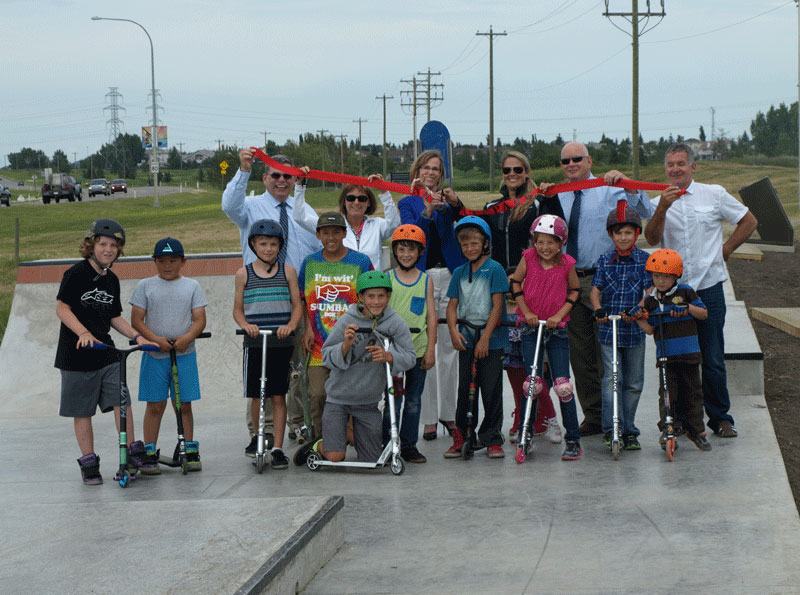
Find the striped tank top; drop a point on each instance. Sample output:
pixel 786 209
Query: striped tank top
pixel 267 301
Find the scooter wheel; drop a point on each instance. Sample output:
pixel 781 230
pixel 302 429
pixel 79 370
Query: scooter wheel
pixel 615 449
pixel 260 462
pixel 397 466
pixel 312 462
pixel 671 448
pixel 124 478
pixel 520 456
pixel 467 450
pixel 184 465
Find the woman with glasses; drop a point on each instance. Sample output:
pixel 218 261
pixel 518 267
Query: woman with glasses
pixel 364 234
pixel 436 217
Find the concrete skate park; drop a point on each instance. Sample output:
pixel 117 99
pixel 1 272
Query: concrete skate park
pixel 722 521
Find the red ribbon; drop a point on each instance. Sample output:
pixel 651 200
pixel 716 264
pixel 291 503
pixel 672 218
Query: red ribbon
pixel 510 203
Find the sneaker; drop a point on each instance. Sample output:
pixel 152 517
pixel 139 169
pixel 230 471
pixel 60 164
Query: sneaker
pixel 588 428
pixel 454 452
pixel 553 432
pixel 410 454
pixel 192 457
pixel 90 469
pixel 137 459
pixel 513 433
pixel 301 456
pixel 252 448
pixel 279 460
pixel 151 456
pixel 678 429
pixel 631 442
pixel 495 451
pixel 701 442
pixel 726 430
pixel 572 452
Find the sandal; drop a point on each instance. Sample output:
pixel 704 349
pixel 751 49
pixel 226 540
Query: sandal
pixel 432 435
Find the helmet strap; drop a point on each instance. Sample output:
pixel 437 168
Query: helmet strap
pixel 97 262
pixel 630 250
pixel 270 265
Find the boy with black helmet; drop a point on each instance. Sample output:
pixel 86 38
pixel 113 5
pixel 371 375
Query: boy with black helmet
pixel 88 305
pixel 412 300
pixel 477 294
pixel 680 342
pixel 357 371
pixel 267 295
pixel 619 283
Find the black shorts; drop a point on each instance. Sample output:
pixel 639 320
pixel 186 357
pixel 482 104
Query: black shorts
pixel 277 371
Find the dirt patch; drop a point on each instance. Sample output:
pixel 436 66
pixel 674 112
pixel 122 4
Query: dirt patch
pixel 775 283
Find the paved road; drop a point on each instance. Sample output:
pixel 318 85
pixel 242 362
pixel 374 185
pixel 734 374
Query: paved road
pixel 140 191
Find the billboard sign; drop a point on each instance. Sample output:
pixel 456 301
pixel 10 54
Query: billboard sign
pixel 147 137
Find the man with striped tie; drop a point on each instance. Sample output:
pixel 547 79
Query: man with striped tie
pixel 276 203
pixel 587 239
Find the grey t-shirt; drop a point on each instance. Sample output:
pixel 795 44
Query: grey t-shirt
pixel 168 306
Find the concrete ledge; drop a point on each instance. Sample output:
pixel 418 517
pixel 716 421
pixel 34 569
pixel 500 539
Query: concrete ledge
pixel 297 561
pixel 744 360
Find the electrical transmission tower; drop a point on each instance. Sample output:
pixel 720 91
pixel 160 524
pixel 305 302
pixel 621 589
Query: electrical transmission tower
pixel 113 99
pixel 159 109
pixel 636 17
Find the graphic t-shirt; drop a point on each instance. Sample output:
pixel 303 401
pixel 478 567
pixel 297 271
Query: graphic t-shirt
pixel 94 300
pixel 328 289
pixel 474 293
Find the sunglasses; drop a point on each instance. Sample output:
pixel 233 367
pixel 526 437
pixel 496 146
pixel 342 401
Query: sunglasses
pixel 354 197
pixel 578 159
pixel 517 169
pixel 276 175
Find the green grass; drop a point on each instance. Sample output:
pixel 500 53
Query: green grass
pixel 196 218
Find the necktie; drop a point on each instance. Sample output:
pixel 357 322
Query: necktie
pixel 284 221
pixel 572 226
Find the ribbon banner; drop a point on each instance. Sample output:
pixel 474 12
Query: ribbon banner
pixel 500 207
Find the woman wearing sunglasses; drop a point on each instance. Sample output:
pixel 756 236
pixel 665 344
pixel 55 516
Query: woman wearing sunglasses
pixel 364 234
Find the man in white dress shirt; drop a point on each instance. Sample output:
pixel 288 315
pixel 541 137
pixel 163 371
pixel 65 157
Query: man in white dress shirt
pixel 691 224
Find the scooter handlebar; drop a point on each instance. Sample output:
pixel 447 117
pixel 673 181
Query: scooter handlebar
pixel 476 327
pixel 204 335
pixel 99 345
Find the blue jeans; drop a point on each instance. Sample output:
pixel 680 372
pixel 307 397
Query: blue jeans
pixel 712 345
pixel 556 343
pixel 409 421
pixel 630 380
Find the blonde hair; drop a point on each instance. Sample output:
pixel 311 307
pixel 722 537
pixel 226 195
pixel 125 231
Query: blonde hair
pixel 422 159
pixel 518 212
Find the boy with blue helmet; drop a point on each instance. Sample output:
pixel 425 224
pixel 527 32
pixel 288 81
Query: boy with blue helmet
pixel 477 295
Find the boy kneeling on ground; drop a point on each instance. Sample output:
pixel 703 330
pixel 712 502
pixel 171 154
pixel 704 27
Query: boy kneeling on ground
pixel 358 377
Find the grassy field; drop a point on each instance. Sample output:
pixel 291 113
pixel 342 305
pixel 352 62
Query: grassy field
pixel 54 231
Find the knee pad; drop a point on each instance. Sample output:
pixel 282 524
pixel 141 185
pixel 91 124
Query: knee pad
pixel 538 385
pixel 563 388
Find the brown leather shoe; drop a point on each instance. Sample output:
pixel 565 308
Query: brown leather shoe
pixel 588 428
pixel 726 430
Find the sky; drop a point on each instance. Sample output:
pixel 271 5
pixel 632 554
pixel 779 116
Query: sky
pixel 229 71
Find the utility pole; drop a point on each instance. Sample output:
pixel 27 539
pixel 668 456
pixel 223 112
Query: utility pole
pixel 491 35
pixel 75 160
pixel 713 125
pixel 360 121
pixel 342 137
pixel 181 153
pixel 322 132
pixel 634 18
pixel 428 97
pixel 384 97
pixel 219 145
pixel 413 104
pixel 265 140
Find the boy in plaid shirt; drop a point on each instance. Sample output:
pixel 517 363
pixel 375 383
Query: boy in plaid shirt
pixel 618 285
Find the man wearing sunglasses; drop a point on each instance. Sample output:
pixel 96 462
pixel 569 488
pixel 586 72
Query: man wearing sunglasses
pixel 277 203
pixel 585 212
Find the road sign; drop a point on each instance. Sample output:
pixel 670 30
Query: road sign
pixel 154 167
pixel 223 164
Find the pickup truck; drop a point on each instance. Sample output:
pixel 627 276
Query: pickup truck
pixel 60 186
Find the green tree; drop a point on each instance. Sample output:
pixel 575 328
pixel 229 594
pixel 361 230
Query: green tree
pixel 61 162
pixel 702 134
pixel 28 158
pixel 174 159
pixel 775 133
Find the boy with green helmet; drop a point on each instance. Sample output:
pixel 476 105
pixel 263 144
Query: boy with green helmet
pixel 357 379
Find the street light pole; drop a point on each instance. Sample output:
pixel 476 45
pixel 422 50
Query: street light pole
pixel 154 134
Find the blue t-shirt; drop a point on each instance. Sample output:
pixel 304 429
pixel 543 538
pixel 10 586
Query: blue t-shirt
pixel 475 298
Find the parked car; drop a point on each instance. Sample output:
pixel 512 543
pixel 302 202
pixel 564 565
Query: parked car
pixel 20 183
pixel 99 186
pixel 5 196
pixel 119 186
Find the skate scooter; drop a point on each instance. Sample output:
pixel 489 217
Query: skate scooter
pixel 671 444
pixel 615 431
pixel 179 457
pixel 263 445
pixel 392 448
pixel 124 476
pixel 526 427
pixel 299 374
